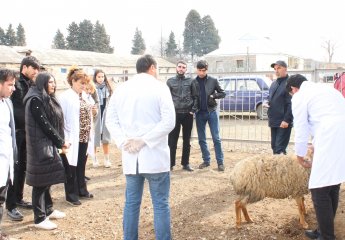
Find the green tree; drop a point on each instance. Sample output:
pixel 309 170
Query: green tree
pixel 209 36
pixel 2 37
pixel 85 37
pixel 73 36
pixel 21 39
pixel 191 34
pixel 139 46
pixel 10 37
pixel 171 46
pixel 101 39
pixel 59 41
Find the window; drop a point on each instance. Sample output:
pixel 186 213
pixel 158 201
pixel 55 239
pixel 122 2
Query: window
pixel 252 85
pixel 239 63
pixel 63 70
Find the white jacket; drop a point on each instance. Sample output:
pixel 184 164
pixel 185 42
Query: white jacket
pixel 142 107
pixel 8 149
pixel 70 104
pixel 319 111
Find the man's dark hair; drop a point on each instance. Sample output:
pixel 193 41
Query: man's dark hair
pixel 144 63
pixel 30 61
pixel 6 74
pixel 295 81
pixel 181 61
pixel 202 64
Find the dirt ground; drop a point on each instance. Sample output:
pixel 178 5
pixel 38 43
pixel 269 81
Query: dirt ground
pixel 201 208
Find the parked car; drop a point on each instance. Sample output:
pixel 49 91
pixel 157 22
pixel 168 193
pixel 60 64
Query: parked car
pixel 245 94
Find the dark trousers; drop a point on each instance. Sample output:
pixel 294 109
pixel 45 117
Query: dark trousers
pixel 75 184
pixel 325 200
pixel 280 138
pixel 186 121
pixel 42 203
pixel 3 191
pixel 16 189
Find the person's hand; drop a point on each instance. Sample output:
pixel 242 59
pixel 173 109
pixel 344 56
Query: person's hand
pixel 94 110
pixel 305 163
pixel 65 147
pixel 134 145
pixel 284 124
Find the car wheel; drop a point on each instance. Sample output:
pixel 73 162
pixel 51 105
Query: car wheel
pixel 261 112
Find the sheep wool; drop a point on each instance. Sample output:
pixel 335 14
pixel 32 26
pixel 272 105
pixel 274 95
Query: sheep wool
pixel 273 176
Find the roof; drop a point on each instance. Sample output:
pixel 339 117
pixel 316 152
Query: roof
pixel 71 57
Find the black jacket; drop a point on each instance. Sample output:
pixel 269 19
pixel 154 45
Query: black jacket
pixel 184 94
pixel 44 165
pixel 280 103
pixel 22 87
pixel 213 88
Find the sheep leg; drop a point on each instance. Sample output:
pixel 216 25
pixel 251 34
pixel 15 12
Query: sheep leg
pixel 238 213
pixel 301 211
pixel 245 213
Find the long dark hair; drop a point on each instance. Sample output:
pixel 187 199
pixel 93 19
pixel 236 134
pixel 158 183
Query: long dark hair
pixel 50 104
pixel 107 84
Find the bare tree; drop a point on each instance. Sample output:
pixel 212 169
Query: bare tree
pixel 330 47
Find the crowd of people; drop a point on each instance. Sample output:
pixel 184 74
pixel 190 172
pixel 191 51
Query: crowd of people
pixel 47 139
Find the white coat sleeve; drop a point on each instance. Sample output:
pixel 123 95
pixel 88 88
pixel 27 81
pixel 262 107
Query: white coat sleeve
pixel 301 125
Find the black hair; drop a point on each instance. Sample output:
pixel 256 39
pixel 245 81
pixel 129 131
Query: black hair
pixel 6 74
pixel 51 106
pixel 145 62
pixel 295 81
pixel 202 64
pixel 30 61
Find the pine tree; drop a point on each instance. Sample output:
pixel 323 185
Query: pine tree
pixel 10 37
pixel 191 34
pixel 21 39
pixel 171 46
pixel 209 36
pixel 85 37
pixel 59 41
pixel 101 39
pixel 73 36
pixel 139 46
pixel 2 37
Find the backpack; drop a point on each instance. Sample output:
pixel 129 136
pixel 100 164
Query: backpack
pixel 339 82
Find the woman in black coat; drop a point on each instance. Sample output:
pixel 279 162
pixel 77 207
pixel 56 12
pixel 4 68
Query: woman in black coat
pixel 44 136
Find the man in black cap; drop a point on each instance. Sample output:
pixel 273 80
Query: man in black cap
pixel 279 112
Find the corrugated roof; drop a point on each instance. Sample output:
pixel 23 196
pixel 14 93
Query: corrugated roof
pixel 9 55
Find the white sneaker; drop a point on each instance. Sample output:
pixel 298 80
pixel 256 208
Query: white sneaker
pixel 107 163
pixel 46 225
pixel 95 163
pixel 56 214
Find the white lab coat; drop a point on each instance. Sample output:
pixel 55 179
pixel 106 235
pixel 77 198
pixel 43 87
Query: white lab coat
pixel 319 111
pixel 70 104
pixel 142 107
pixel 7 141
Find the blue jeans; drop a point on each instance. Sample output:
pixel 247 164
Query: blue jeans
pixel 159 184
pixel 213 121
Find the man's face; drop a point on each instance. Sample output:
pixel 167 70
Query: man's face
pixel 201 72
pixel 7 88
pixel 181 69
pixel 280 71
pixel 30 72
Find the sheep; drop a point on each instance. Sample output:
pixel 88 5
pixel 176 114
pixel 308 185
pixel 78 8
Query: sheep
pixel 274 176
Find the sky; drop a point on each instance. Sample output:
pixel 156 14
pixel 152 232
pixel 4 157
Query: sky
pixel 296 27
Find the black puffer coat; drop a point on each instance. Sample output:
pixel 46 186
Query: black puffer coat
pixel 44 165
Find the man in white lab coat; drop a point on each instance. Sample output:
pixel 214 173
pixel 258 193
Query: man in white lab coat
pixel 8 148
pixel 140 116
pixel 319 111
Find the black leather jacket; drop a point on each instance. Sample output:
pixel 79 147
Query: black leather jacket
pixel 184 94
pixel 213 88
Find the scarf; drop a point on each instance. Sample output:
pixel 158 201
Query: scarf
pixel 102 92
